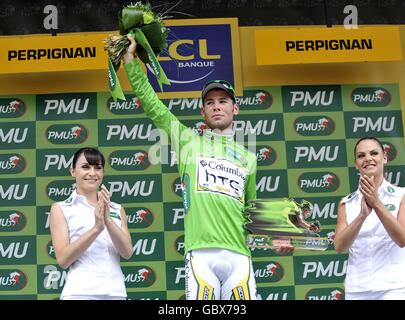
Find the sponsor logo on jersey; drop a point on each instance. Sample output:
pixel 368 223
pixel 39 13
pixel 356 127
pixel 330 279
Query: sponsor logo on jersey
pixel 220 176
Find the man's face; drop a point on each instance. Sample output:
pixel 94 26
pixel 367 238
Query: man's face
pixel 218 110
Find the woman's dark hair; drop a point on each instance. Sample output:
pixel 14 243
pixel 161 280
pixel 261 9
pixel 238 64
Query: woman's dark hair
pixel 368 138
pixel 92 155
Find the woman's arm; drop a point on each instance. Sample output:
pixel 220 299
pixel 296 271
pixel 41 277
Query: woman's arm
pixel 395 227
pixel 345 234
pixel 120 236
pixel 66 252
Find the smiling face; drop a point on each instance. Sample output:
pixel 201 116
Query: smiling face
pixel 218 110
pixel 88 177
pixel 370 158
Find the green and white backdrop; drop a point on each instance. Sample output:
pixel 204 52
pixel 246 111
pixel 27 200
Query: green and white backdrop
pixel 304 143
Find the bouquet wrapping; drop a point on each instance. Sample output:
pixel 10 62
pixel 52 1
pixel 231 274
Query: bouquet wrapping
pixel 150 33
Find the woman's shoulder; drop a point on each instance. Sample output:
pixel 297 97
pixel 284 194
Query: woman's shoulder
pixel 350 197
pixel 68 202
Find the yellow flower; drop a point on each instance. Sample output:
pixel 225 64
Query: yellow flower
pixel 148 17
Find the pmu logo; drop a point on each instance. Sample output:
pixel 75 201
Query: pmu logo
pixel 12 163
pixel 179 245
pixel 54 162
pixel 314 126
pixel 132 105
pixel 390 151
pixel 139 276
pixel 270 183
pixel 184 106
pixel 259 127
pixel 12 108
pixel 320 269
pixel 129 160
pixel 394 175
pixel 268 271
pixel 126 132
pixel 178 186
pixel 66 134
pixel 255 100
pixel 53 279
pixel 174 216
pixel 12 280
pixel 130 189
pixel 316 153
pixel 60 190
pixel 17 251
pixel 312 98
pixel 148 246
pixel 139 217
pixel 12 221
pixel 384 123
pixel 266 155
pixel 50 250
pixel 13 191
pixel 324 209
pixel 325 294
pixel 17 134
pixel 317 182
pixel 66 106
pixel 276 293
pixel 371 97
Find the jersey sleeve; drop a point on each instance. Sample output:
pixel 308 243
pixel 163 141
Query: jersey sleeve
pixel 154 107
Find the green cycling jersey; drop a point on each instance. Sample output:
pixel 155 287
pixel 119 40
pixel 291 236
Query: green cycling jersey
pixel 218 175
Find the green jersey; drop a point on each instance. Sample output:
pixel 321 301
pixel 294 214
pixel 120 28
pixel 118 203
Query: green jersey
pixel 218 175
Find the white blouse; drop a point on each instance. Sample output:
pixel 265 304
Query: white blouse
pixel 375 261
pixel 97 271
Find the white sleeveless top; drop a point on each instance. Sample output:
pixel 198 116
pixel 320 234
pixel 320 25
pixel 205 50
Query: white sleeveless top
pixel 375 261
pixel 97 271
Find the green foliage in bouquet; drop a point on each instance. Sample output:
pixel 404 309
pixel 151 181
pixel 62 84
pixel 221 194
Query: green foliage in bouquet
pixel 137 16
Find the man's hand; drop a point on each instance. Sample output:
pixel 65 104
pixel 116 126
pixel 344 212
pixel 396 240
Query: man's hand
pixel 130 54
pixel 282 246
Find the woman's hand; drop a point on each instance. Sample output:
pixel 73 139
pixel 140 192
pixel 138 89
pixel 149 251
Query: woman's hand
pixel 364 208
pixel 99 213
pixel 104 195
pixel 370 191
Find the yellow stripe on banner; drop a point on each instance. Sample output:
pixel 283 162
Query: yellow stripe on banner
pixel 43 53
pixel 326 45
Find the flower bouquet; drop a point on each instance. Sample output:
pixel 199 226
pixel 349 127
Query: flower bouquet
pixel 275 223
pixel 149 31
